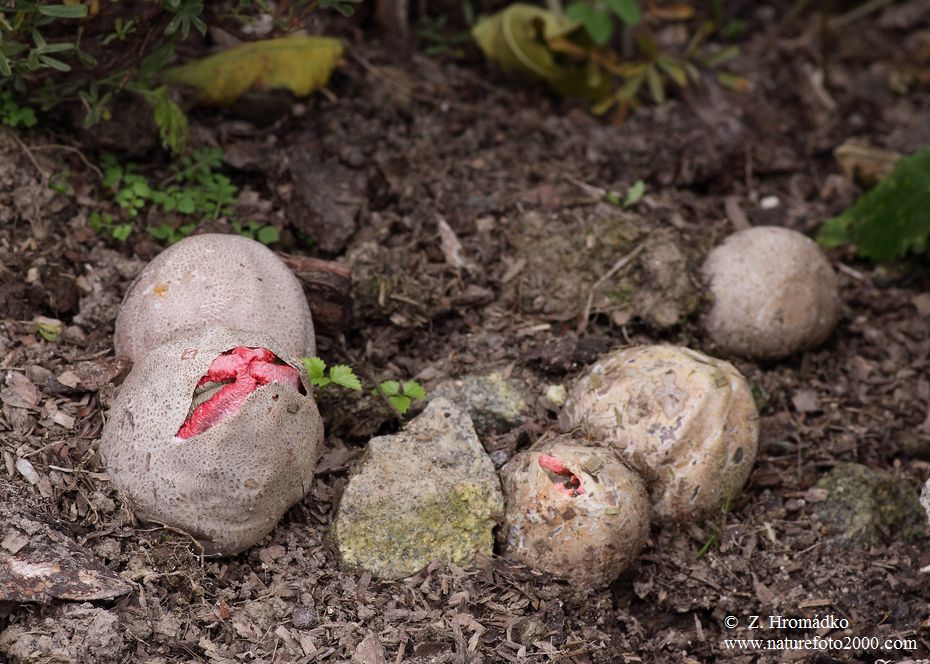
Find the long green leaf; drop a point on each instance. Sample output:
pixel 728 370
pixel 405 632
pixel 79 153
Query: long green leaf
pixel 64 11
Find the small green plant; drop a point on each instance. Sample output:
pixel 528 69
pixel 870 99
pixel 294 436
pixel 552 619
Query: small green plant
pixel 891 220
pixel 266 234
pixel 401 394
pixel 633 195
pixel 171 233
pixel 14 115
pixel 598 16
pixel 194 190
pixel 121 31
pixel 104 223
pixel 339 374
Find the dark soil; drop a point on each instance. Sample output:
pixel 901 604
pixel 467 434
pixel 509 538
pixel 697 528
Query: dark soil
pixel 409 151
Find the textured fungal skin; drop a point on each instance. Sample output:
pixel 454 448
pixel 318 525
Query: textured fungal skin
pixel 214 280
pixel 774 293
pixel 574 511
pixel 229 485
pixel 686 421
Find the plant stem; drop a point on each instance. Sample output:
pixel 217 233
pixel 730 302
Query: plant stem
pixel 856 13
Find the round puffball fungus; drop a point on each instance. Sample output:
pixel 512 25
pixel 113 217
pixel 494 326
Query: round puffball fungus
pixel 574 511
pixel 774 293
pixel 214 434
pixel 686 421
pixel 214 280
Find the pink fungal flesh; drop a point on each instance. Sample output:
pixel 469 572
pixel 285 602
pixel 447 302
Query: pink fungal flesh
pixel 242 370
pixel 570 487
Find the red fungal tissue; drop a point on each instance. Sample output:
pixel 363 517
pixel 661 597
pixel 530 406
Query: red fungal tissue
pixel 242 370
pixel 570 487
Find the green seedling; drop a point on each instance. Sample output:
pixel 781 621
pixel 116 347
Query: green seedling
pixel 266 234
pixel 104 224
pixel 171 233
pixel 339 374
pixel 401 394
pixel 633 195
pixel 14 115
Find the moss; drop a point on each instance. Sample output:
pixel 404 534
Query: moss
pixel 863 503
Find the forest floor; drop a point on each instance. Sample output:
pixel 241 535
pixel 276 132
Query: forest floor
pixel 404 145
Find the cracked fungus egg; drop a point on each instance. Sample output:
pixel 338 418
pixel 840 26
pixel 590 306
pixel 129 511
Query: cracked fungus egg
pixel 214 280
pixel 686 421
pixel 215 434
pixel 774 293
pixel 574 511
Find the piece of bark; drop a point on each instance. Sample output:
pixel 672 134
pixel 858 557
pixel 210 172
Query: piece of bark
pixel 328 287
pixel 327 197
pixel 40 564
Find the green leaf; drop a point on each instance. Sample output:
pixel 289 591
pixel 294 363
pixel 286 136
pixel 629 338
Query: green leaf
pixel 297 63
pixel 121 232
pixel 186 204
pixel 626 10
pixel 400 402
pixel 316 369
pixel 834 232
pixel 343 375
pixel 656 86
pixel 390 387
pixel 634 194
pixel 64 11
pixel 890 220
pixel 673 69
pixel 54 63
pixel 598 24
pixel 414 390
pixel 172 124
pixel 268 235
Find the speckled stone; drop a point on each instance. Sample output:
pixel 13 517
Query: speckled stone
pixel 495 403
pixel 863 502
pixel 429 492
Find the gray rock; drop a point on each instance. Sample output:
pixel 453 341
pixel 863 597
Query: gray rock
pixel 495 403
pixel 867 506
pixel 429 492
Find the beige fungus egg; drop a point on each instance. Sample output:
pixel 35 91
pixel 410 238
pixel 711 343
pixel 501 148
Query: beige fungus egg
pixel 686 421
pixel 574 511
pixel 214 280
pixel 216 434
pixel 774 293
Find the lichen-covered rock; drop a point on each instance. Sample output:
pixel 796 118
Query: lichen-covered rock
pixel 574 511
pixel 217 461
pixel 774 293
pixel 429 492
pixel 494 403
pixel 686 421
pixel 214 280
pixel 863 504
